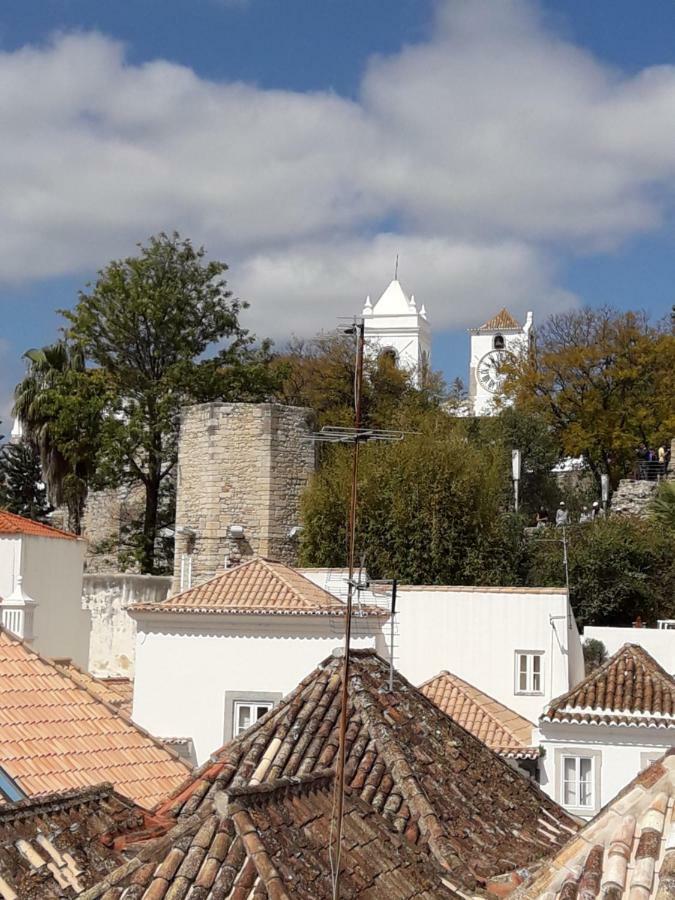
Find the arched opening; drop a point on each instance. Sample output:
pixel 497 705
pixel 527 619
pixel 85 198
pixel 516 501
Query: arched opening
pixel 388 354
pixel 498 342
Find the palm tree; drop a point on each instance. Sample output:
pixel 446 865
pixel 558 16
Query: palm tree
pixel 662 507
pixel 35 402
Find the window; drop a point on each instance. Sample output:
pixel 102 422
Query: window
pixel 577 786
pixel 244 708
pixel 498 342
pixel 247 714
pixel 529 672
pixel 578 779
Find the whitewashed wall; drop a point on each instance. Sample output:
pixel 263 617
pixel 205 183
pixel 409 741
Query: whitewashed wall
pixel 52 576
pixel 658 642
pixel 623 751
pixel 476 632
pixel 112 642
pixel 185 664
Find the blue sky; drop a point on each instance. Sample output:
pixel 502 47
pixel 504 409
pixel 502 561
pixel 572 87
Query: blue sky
pixel 513 152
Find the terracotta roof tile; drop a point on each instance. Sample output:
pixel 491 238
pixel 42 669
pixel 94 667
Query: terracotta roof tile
pixel 56 734
pixel 503 320
pixel 629 688
pixel 272 842
pixel 502 729
pixel 118 692
pixel 434 782
pixel 626 851
pixel 55 847
pixel 13 524
pixel 259 586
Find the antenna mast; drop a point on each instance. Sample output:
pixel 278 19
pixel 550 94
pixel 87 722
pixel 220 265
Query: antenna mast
pixel 342 746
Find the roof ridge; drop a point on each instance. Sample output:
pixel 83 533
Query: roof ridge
pixel 59 799
pixel 241 565
pixel 286 784
pixel 334 601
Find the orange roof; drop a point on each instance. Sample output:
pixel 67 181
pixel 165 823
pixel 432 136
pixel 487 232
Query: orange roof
pixel 56 735
pixel 13 524
pixel 502 320
pixel 118 692
pixel 259 587
pixel 502 729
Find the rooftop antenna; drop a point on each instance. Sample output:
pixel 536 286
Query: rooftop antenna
pixel 354 436
pixel 396 269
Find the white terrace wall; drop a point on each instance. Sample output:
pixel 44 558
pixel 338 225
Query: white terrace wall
pixel 618 753
pixel 476 632
pixel 185 665
pixel 112 642
pixel 51 569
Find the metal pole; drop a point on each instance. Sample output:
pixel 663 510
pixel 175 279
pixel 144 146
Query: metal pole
pixel 515 492
pixel 565 562
pixel 391 636
pixel 342 748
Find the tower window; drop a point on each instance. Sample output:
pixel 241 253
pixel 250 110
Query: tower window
pixel 388 354
pixel 498 342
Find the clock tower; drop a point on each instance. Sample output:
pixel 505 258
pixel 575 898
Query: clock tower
pixel 490 343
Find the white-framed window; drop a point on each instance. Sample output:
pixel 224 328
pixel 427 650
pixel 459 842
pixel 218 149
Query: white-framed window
pixel 247 713
pixel 578 782
pixel 529 672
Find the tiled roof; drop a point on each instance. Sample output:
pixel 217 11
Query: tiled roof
pixel 626 851
pixel 503 320
pixel 118 692
pixel 259 586
pixel 502 729
pixel 630 688
pixel 436 783
pixel 53 847
pixel 272 842
pixel 55 734
pixel 13 524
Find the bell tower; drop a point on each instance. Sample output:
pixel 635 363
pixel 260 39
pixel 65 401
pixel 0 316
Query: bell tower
pixel 395 324
pixel 497 337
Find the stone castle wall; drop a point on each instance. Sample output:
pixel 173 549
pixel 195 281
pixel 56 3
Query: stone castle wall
pixel 239 464
pixel 106 515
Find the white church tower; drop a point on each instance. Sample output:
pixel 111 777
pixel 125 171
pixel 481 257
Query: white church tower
pixel 490 343
pixel 394 324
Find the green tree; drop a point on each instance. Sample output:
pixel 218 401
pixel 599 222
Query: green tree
pixel 433 508
pixel 59 405
pixel 619 568
pixel 603 381
pixel 163 329
pixel 21 488
pixel 662 507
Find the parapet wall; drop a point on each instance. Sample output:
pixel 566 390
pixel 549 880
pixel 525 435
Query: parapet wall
pixel 112 640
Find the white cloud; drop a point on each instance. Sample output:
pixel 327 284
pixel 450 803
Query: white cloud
pixel 488 149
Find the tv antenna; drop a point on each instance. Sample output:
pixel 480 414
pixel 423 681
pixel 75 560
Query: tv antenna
pixel 355 436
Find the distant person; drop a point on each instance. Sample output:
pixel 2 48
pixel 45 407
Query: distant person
pixel 562 517
pixel 542 517
pixel 585 515
pixel 596 512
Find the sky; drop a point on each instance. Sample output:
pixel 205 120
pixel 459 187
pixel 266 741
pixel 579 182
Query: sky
pixel 510 152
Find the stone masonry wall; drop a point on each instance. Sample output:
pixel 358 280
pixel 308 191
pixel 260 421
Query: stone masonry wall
pixel 112 640
pixel 240 464
pixel 106 514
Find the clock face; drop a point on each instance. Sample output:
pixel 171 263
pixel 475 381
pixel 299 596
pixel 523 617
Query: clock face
pixel 488 370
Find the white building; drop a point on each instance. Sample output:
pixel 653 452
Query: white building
pixel 212 660
pixel 41 587
pixel 394 324
pixel 658 642
pixel 519 645
pixel 490 343
pixel 604 731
